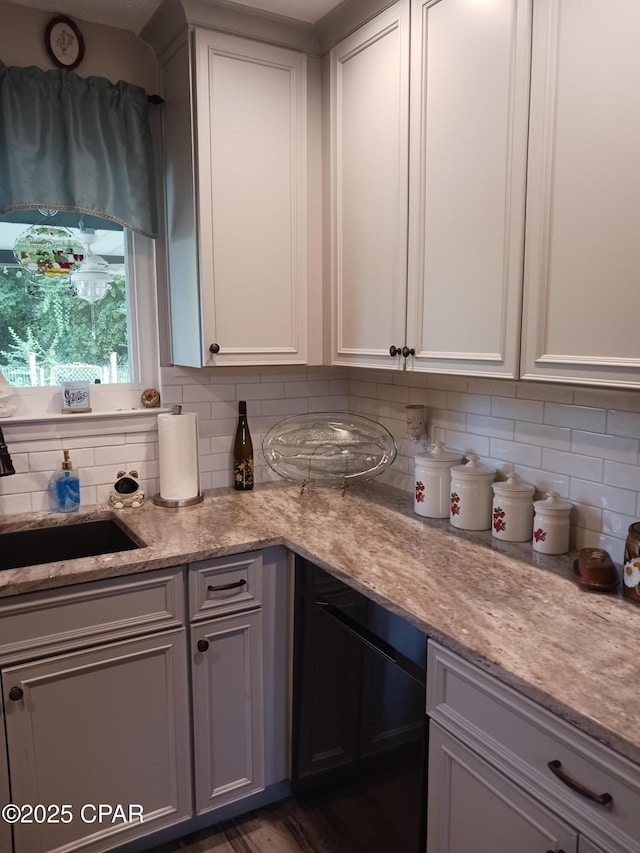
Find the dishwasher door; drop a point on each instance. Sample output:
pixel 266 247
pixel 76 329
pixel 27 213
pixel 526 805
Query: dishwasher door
pixel 359 723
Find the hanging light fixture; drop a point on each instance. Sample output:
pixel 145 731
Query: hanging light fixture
pixel 92 279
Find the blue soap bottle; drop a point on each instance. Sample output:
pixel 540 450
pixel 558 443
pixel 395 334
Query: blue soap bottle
pixel 67 487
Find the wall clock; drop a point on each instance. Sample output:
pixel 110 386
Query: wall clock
pixel 64 42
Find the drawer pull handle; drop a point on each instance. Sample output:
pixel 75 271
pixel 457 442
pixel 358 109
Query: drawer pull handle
pixel 203 645
pixel 223 586
pixel 601 799
pixel 16 693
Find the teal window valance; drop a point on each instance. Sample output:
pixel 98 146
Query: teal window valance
pixel 74 143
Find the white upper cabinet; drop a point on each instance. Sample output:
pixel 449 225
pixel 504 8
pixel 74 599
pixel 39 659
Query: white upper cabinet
pixel 583 209
pixel 369 162
pixel 469 109
pixel 237 207
pixel 428 224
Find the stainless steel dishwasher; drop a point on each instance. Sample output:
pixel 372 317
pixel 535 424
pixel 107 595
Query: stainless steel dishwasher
pixel 359 721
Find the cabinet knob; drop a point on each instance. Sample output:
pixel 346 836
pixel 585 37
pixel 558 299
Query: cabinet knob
pixel 394 351
pixel 406 352
pixel 16 693
pixel 203 645
pixel 214 348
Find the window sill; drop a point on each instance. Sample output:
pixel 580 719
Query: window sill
pixel 36 426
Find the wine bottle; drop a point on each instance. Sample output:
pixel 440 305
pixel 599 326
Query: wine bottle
pixel 243 452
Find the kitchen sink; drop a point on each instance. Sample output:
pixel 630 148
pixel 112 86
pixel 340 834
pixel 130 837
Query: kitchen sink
pixel 64 542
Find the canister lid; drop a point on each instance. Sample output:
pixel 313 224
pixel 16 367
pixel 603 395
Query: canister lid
pixel 553 503
pixel 438 456
pixel 513 484
pixel 473 468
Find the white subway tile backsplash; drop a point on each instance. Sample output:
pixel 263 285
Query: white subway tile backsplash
pixel 260 390
pixel 13 504
pixel 467 443
pixel 492 387
pixel 472 403
pixel 518 410
pixel 512 451
pixel 545 392
pixel 604 496
pixel 575 417
pixel 615 524
pixel 623 423
pixel 493 427
pixel 573 464
pixel 283 408
pixel 581 442
pixel 546 436
pixel 612 447
pixel 625 476
pixel 393 393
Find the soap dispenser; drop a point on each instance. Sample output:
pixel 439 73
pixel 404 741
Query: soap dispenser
pixel 67 487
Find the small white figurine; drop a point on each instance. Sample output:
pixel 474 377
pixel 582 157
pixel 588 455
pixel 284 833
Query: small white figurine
pixel 127 491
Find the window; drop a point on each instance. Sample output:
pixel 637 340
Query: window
pixel 54 327
pixel 69 307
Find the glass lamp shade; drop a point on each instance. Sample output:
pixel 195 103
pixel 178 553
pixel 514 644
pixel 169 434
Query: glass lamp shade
pixel 48 250
pixel 92 279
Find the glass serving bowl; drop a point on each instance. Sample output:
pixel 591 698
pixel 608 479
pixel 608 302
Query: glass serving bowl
pixel 328 447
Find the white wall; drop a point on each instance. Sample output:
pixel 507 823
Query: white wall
pixel 581 442
pixel 101 450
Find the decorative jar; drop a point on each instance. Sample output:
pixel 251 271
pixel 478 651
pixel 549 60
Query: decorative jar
pixel 431 496
pixel 512 509
pixel 631 571
pixel 551 525
pixel 470 500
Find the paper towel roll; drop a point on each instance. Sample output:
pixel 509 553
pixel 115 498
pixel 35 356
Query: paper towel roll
pixel 178 456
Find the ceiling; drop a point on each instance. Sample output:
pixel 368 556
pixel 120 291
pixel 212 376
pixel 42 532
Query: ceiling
pixel 133 14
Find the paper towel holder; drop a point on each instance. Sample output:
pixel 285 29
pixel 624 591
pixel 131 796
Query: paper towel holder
pixel 176 504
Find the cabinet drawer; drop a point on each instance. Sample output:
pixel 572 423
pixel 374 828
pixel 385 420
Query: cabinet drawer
pixel 519 737
pixel 225 585
pixel 70 617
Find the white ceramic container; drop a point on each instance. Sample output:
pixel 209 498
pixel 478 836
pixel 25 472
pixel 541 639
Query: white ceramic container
pixel 471 495
pixel 551 525
pixel 432 493
pixel 512 516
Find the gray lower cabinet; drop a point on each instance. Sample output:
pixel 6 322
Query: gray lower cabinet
pixel 505 774
pixel 240 647
pixel 472 807
pixel 227 709
pixel 101 726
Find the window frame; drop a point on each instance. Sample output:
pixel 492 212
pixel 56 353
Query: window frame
pixel 43 402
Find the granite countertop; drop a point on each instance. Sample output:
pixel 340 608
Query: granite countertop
pixel 515 613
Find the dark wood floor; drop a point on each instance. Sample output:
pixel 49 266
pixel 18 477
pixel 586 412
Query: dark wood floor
pixel 316 824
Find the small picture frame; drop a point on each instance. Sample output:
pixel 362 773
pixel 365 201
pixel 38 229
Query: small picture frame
pixel 64 43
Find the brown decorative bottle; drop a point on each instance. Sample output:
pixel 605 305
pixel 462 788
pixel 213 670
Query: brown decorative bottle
pixel 243 452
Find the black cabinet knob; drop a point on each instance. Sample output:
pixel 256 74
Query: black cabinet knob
pixel 203 645
pixel 406 352
pixel 214 348
pixel 16 693
pixel 394 351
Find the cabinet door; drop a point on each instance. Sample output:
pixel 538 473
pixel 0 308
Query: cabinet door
pixel 228 709
pixel 251 102
pixel 469 98
pixel 472 807
pixel 583 208
pixel 369 161
pixel 102 726
pixel 5 796
pixel 586 846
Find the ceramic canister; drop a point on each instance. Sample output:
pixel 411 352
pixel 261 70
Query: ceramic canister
pixel 433 481
pixel 512 516
pixel 470 502
pixel 551 525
